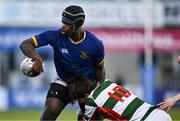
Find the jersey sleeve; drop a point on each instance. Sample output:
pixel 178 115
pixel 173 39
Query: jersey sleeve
pixel 90 108
pixel 45 38
pixel 99 57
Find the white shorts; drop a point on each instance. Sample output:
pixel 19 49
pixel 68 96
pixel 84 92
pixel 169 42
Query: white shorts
pixel 158 115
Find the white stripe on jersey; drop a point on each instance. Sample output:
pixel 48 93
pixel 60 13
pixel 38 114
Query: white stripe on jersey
pixel 140 112
pixel 103 96
pixel 89 110
pixel 121 106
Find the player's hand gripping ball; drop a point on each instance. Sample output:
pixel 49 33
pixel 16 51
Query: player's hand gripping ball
pixel 26 67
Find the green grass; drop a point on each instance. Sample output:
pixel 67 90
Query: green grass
pixel 175 114
pixel 66 115
pixel 34 115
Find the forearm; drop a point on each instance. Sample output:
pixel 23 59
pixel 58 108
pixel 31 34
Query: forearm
pixel 28 49
pixel 176 98
pixel 100 73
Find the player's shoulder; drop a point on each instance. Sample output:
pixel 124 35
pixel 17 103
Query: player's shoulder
pixel 106 81
pixel 54 34
pixel 92 36
pixel 53 31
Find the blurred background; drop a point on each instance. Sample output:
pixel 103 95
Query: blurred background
pixel 141 39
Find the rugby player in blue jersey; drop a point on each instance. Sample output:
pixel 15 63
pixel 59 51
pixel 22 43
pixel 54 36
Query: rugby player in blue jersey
pixel 76 52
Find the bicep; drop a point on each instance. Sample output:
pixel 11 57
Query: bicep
pixel 28 43
pixel 100 65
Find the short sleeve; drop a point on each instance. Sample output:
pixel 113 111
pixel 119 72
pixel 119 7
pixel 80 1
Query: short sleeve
pixel 99 56
pixel 90 107
pixel 45 38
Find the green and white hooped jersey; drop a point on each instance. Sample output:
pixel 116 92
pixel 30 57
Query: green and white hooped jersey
pixel 124 104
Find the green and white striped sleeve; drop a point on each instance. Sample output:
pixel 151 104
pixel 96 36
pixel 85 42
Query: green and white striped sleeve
pixel 90 107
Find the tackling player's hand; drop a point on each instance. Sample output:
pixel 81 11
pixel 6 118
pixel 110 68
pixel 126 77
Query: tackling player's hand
pixel 37 67
pixel 166 104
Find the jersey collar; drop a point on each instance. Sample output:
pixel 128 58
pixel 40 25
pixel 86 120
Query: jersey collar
pixel 72 41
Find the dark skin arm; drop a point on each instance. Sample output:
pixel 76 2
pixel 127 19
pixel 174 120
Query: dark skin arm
pixel 28 49
pixel 100 72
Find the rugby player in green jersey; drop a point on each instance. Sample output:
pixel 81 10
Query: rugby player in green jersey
pixel 114 102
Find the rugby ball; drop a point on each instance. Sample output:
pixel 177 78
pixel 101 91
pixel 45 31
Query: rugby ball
pixel 26 66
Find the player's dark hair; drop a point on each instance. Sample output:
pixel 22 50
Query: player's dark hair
pixel 78 87
pixel 73 15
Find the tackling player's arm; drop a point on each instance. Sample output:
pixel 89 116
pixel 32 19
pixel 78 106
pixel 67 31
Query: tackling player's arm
pixel 28 49
pixel 169 102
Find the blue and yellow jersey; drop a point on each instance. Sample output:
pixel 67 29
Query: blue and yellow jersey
pixel 73 58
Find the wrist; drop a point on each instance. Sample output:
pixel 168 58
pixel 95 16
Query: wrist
pixel 38 59
pixel 177 97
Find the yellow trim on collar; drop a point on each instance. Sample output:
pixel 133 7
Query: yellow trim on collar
pixel 78 41
pixel 35 41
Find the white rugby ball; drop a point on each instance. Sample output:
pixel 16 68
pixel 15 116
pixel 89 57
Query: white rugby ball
pixel 26 66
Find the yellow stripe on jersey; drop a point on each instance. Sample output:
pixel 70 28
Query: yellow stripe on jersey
pixel 101 62
pixel 35 41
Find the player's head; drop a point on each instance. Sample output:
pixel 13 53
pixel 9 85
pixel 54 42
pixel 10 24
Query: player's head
pixel 78 87
pixel 74 17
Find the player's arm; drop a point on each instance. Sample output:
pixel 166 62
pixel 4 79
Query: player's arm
pixel 28 49
pixel 168 103
pixel 100 71
pixel 99 66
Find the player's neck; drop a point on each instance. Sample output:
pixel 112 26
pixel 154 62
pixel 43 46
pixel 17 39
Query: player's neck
pixel 78 35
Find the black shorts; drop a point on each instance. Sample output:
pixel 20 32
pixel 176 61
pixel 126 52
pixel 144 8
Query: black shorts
pixel 61 92
pixel 58 91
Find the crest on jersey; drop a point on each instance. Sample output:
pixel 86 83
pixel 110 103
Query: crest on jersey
pixel 83 54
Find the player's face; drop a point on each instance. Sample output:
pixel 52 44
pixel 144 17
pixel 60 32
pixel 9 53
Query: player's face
pixel 67 29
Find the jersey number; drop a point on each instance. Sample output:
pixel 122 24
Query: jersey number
pixel 121 93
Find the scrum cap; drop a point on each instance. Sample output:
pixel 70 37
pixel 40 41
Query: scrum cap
pixel 73 15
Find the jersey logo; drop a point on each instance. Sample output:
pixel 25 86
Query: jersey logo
pixel 119 93
pixel 83 54
pixel 64 51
